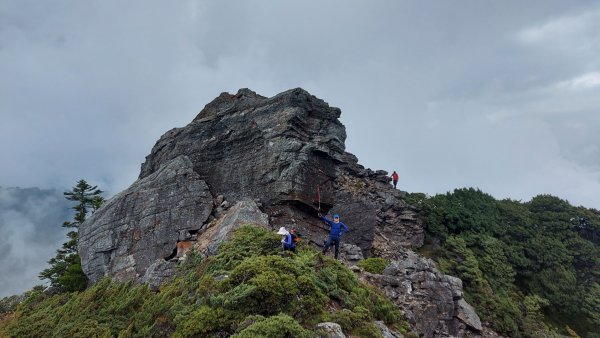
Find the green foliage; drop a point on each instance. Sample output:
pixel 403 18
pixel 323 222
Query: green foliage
pixel 73 279
pixel 503 250
pixel 106 307
pixel 533 322
pixel 279 326
pixel 374 264
pixel 248 241
pixel 591 305
pixel 65 271
pixel 9 304
pixel 246 290
pixel 357 322
pixel 416 199
pixel 206 321
pixel 86 196
pixel 263 283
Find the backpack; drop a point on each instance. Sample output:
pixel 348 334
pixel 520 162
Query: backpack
pixel 295 238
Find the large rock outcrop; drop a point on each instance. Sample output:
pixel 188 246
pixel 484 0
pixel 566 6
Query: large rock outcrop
pixel 248 159
pixel 140 226
pixel 431 301
pixel 277 149
pixel 283 152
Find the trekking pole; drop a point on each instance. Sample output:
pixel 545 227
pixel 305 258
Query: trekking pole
pixel 319 197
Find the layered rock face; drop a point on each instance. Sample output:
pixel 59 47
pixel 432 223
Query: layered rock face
pixel 141 225
pixel 277 149
pixel 285 152
pixel 432 302
pixel 271 162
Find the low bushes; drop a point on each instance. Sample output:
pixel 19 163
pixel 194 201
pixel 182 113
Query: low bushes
pixel 374 264
pixel 247 290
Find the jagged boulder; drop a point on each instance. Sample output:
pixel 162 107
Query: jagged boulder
pixel 141 225
pixel 350 253
pixel 381 222
pixel 246 145
pixel 431 301
pixel 243 212
pixel 331 330
pixel 386 332
pixel 286 153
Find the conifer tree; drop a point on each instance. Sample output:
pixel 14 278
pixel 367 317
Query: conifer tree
pixel 65 268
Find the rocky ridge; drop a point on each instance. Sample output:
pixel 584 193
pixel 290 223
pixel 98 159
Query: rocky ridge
pixel 248 159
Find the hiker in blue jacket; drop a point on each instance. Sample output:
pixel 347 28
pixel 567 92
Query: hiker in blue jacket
pixel 287 241
pixel 337 229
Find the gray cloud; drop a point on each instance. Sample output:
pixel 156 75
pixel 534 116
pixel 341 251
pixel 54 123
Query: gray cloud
pixel 30 234
pixel 500 96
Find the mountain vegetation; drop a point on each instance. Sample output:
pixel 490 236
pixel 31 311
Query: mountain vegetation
pixel 531 269
pixel 65 271
pixel 249 289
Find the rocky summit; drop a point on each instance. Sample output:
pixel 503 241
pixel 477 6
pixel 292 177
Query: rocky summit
pixel 271 162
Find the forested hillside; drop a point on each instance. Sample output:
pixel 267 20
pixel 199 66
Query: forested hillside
pixel 531 269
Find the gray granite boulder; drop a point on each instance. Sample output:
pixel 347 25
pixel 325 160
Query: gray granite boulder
pixel 386 332
pixel 331 330
pixel 141 226
pixel 467 315
pixel 244 212
pixel 431 301
pixel 158 272
pixel 350 253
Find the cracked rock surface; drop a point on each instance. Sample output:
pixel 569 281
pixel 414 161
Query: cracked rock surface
pixel 141 225
pixel 271 162
pixel 432 302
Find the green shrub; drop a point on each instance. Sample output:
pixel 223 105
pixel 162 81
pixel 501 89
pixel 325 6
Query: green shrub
pixel 358 322
pixel 83 329
pixel 374 264
pixel 9 304
pixel 279 326
pixel 73 278
pixel 205 322
pixel 247 241
pixel 263 283
pixel 247 289
pixel 505 250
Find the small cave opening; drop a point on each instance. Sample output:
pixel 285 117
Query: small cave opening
pixel 311 209
pixel 320 153
pixel 172 255
pixel 181 249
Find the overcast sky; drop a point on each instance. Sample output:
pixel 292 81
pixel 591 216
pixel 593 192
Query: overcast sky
pixel 499 95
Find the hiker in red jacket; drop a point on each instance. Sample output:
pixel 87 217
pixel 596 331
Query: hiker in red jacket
pixel 395 178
